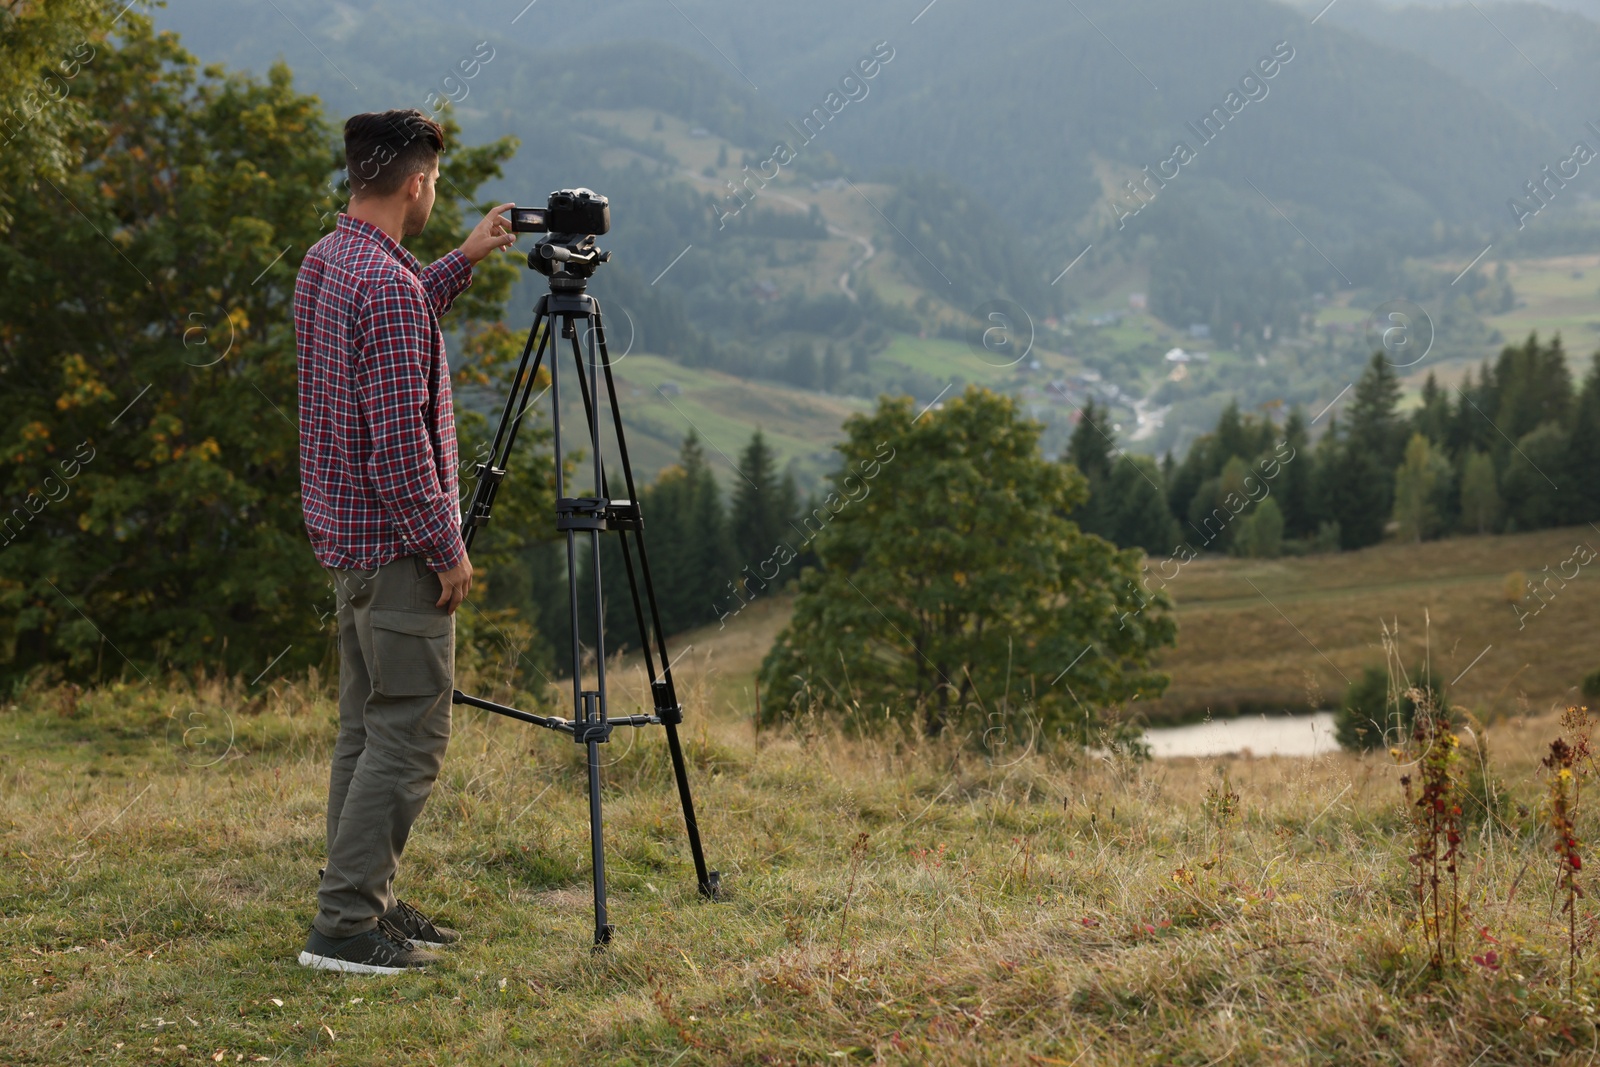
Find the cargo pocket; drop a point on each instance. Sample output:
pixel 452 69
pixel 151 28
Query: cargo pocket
pixel 413 652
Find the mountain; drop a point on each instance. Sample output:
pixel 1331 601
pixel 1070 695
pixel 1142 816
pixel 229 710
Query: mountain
pixel 1065 160
pixel 1538 60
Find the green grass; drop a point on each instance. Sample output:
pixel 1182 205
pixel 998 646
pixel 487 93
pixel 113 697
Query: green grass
pixel 724 410
pixel 1560 294
pixel 887 902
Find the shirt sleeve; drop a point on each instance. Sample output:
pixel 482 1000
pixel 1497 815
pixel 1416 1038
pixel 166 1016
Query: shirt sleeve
pixel 446 278
pixel 392 337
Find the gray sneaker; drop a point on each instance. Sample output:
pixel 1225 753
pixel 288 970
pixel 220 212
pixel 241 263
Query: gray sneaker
pixel 380 950
pixel 417 928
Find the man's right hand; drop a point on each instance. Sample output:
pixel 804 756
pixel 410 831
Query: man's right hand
pixel 456 581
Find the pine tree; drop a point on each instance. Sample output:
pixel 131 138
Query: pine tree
pixel 1581 476
pixel 1139 515
pixel 1090 449
pixel 763 505
pixel 1374 423
pixel 1531 386
pixel 1297 478
pixel 691 551
pixel 1533 498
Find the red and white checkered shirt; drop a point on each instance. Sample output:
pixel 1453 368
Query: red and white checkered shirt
pixel 377 427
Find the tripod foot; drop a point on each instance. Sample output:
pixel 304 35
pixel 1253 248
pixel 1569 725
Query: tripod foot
pixel 711 888
pixel 602 937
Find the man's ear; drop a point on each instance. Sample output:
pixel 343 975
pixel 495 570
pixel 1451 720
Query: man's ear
pixel 414 185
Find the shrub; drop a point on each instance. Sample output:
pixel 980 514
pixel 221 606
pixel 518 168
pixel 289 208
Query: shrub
pixel 1376 712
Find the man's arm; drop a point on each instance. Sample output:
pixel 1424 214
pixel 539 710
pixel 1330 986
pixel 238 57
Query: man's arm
pixel 392 339
pixel 446 277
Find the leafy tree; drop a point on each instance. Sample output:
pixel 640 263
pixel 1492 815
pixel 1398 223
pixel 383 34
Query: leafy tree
pixel 958 589
pixel 1480 500
pixel 146 351
pixel 43 49
pixel 1261 532
pixel 1533 499
pixel 1413 490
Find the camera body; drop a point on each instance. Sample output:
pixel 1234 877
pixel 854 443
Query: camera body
pixel 568 211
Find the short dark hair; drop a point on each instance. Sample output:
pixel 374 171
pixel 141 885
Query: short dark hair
pixel 384 148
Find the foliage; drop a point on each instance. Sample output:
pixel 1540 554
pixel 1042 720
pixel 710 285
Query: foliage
pixel 1561 817
pixel 764 505
pixel 690 548
pixel 43 49
pixel 1378 710
pixel 149 366
pixel 1435 813
pixel 1414 513
pixel 952 586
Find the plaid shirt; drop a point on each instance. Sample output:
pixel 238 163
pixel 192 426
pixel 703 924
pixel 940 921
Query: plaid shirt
pixel 377 427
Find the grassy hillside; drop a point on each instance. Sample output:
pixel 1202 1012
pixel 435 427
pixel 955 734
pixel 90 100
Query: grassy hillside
pixel 1288 633
pixel 884 903
pixel 1285 635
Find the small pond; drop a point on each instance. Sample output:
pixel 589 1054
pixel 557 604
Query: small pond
pixel 1258 735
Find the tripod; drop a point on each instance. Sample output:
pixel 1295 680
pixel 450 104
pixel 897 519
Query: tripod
pixel 569 261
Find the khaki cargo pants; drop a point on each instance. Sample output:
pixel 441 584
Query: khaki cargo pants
pixel 396 674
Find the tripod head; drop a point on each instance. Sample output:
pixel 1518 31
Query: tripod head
pixel 569 260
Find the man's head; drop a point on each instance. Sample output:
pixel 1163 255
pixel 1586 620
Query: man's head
pixel 394 155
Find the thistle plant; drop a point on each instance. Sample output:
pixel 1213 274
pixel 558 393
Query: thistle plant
pixel 1561 816
pixel 1435 806
pixel 1221 808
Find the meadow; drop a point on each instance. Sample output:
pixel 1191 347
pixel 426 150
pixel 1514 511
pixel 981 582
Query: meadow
pixel 1289 634
pixel 886 901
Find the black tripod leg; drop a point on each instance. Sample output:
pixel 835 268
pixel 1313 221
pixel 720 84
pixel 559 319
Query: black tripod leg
pixel 710 883
pixel 597 849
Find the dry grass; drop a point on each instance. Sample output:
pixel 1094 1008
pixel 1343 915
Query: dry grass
pixel 886 903
pixel 1309 624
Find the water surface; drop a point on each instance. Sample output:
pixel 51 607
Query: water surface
pixel 1257 735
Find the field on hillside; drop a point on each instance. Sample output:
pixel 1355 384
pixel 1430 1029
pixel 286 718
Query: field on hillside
pixel 663 401
pixel 885 902
pixel 1289 634
pixel 1556 294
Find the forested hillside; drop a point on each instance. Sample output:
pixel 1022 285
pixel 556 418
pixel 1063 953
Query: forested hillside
pixel 989 151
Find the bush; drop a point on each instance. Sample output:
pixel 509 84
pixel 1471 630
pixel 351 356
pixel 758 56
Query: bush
pixel 1591 687
pixel 1373 715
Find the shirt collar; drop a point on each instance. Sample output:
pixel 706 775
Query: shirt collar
pixel 361 228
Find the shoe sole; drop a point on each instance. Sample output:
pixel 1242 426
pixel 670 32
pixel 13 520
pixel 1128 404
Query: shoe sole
pixel 333 963
pixel 431 944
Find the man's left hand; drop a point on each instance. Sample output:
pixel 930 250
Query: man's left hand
pixel 492 233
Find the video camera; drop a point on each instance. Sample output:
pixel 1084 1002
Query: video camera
pixel 568 211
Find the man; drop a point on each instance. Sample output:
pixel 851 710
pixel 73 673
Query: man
pixel 378 485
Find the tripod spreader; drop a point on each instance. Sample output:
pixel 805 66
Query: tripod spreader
pixel 551 722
